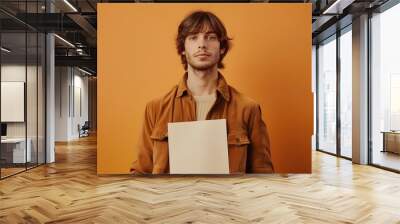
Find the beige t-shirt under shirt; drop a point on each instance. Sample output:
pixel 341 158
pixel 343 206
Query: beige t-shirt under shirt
pixel 203 105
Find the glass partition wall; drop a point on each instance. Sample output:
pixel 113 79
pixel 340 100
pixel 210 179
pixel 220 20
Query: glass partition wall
pixel 385 89
pixel 345 62
pixel 334 101
pixel 22 88
pixel 327 95
pixel 334 94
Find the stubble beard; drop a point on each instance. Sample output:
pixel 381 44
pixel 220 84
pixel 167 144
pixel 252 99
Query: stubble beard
pixel 204 67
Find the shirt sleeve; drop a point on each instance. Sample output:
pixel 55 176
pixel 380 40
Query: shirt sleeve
pixel 259 153
pixel 144 156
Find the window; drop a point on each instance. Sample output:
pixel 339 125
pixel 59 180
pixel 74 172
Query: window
pixel 22 77
pixel 327 95
pixel 385 88
pixel 346 93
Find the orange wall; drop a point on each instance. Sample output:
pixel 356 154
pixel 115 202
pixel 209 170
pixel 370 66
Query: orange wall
pixel 270 61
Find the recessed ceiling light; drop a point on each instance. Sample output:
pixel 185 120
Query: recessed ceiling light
pixel 5 50
pixel 338 6
pixel 70 5
pixel 84 71
pixel 64 40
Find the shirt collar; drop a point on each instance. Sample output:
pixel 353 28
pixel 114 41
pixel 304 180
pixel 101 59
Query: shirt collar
pixel 222 87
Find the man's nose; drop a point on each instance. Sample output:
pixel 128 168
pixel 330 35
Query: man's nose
pixel 201 43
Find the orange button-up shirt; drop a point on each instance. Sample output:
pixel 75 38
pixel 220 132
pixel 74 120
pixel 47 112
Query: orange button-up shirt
pixel 248 140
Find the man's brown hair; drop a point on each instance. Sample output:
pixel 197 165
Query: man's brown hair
pixel 201 21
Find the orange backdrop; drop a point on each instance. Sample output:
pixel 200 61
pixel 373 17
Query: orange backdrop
pixel 270 61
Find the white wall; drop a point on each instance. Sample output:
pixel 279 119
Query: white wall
pixel 62 78
pixel 33 127
pixel 16 73
pixel 81 103
pixel 71 94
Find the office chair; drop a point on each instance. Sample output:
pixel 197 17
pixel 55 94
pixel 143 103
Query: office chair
pixel 84 130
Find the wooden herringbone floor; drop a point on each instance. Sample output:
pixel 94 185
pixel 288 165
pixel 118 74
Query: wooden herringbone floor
pixel 69 191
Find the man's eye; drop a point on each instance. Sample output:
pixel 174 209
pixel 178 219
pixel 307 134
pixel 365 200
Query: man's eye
pixel 192 37
pixel 212 37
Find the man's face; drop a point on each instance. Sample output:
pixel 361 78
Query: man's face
pixel 202 50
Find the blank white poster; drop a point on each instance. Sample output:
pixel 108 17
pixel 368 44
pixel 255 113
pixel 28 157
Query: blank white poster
pixel 198 147
pixel 12 101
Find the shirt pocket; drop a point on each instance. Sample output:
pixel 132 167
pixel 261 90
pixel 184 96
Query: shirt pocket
pixel 238 143
pixel 159 137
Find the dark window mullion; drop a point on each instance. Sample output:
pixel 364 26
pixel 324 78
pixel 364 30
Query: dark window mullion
pixel 26 87
pixel 338 93
pixel 369 90
pixel 316 96
pixel 37 90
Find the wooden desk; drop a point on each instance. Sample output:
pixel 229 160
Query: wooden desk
pixel 391 141
pixel 13 150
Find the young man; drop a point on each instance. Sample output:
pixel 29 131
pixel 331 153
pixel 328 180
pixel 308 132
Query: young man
pixel 203 94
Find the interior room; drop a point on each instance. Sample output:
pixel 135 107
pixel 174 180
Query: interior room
pixel 76 147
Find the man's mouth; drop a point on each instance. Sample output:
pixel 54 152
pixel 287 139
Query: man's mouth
pixel 202 55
